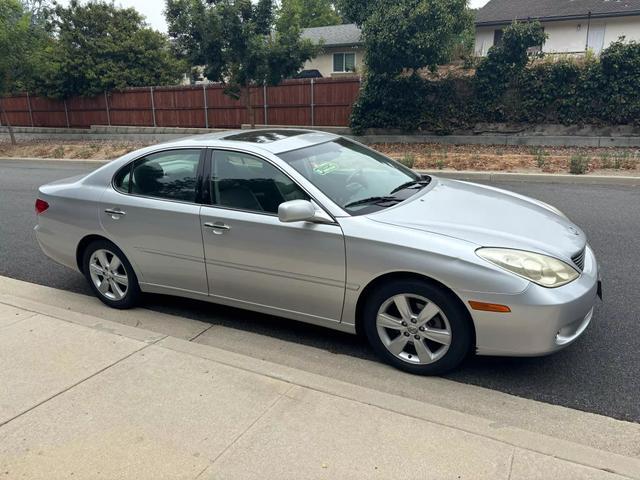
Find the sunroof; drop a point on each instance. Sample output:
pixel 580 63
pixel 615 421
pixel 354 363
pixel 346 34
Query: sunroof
pixel 265 136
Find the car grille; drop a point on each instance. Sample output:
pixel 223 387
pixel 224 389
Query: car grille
pixel 578 259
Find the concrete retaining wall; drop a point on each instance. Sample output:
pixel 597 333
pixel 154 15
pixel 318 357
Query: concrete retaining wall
pixel 622 136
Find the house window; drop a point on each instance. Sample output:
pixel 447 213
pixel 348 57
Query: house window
pixel 537 49
pixel 497 37
pixel 344 62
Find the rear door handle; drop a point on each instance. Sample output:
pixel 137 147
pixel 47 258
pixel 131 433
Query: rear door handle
pixel 115 212
pixel 217 227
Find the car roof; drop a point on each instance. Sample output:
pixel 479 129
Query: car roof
pixel 274 140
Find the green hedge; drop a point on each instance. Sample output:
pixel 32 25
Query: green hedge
pixel 604 91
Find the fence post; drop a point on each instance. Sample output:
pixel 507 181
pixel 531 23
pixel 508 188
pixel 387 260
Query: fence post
pixel 30 112
pixel 106 103
pixel 313 105
pixel 264 102
pixel 206 113
pixel 66 112
pixel 153 108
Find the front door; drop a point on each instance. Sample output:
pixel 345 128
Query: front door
pixel 152 215
pixel 256 261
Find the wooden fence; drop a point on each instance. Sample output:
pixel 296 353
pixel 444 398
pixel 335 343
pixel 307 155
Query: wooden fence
pixel 321 101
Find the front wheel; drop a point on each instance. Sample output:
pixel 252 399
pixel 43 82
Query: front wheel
pixel 110 275
pixel 418 327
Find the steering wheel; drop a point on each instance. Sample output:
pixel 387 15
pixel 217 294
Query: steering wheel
pixel 355 182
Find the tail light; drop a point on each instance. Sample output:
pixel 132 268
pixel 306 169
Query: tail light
pixel 41 206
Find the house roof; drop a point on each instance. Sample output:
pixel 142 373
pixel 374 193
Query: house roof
pixel 334 35
pixel 506 11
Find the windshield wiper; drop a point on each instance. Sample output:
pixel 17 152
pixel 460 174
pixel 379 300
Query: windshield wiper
pixel 413 183
pixel 366 201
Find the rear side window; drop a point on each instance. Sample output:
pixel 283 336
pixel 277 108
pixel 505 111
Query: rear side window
pixel 170 175
pixel 122 181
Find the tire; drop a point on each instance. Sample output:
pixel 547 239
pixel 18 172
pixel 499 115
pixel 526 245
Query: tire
pixel 113 281
pixel 395 323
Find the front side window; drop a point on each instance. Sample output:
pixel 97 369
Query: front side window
pixel 344 62
pixel 244 182
pixel 170 175
pixel 354 177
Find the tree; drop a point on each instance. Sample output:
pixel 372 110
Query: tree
pixel 14 44
pixel 311 13
pixel 102 47
pixel 356 11
pixel 400 38
pixel 37 9
pixel 403 35
pixel 505 62
pixel 238 42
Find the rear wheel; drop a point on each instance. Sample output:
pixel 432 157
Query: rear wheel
pixel 417 327
pixel 110 275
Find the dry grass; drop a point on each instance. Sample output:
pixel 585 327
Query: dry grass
pixel 515 159
pixel 610 161
pixel 92 149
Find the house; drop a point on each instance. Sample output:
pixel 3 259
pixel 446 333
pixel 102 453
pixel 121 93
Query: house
pixel 572 26
pixel 342 49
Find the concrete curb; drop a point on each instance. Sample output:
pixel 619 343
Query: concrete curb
pixel 535 177
pixel 53 160
pixel 457 175
pixel 515 437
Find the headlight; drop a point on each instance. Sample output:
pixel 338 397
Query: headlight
pixel 541 269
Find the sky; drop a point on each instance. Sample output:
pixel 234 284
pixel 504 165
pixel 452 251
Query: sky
pixel 152 10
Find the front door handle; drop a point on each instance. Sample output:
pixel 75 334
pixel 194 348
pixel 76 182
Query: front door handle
pixel 115 212
pixel 218 227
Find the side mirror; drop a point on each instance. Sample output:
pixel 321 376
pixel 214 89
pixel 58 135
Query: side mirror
pixel 301 211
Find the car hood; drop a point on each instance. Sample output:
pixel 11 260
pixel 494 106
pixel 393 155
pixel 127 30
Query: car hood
pixel 487 216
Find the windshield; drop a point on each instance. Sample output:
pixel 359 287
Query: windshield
pixel 357 179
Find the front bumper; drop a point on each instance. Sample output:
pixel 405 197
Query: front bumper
pixel 542 320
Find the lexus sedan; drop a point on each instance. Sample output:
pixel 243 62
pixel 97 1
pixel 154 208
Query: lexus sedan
pixel 315 227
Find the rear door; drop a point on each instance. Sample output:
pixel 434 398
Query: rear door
pixel 153 214
pixel 296 269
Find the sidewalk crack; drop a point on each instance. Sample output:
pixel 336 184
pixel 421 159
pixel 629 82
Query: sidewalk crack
pixel 249 427
pixel 15 322
pixel 202 332
pixel 65 390
pixel 513 454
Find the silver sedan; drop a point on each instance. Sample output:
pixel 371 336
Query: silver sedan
pixel 321 229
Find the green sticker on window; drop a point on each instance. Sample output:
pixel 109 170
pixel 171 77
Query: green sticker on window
pixel 325 168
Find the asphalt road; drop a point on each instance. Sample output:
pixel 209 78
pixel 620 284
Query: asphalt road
pixel 600 373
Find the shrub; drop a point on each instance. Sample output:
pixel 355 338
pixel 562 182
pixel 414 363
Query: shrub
pixel 58 152
pixel 409 160
pixel 578 165
pixel 624 160
pixel 506 88
pixel 540 157
pixel 387 101
pixel 605 160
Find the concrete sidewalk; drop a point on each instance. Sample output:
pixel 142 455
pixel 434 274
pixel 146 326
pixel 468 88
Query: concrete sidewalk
pixel 85 397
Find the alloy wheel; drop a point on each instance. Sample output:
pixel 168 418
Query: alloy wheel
pixel 413 329
pixel 108 274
